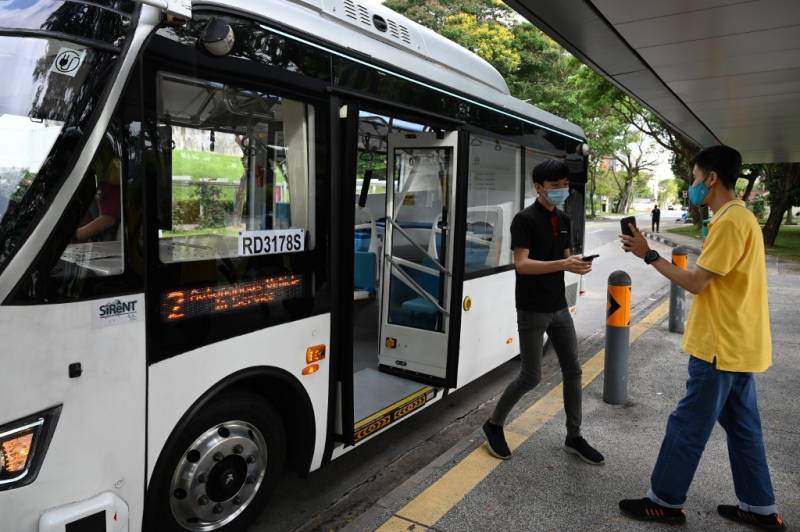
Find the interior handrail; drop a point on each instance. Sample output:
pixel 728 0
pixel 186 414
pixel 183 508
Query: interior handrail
pixel 413 285
pixel 419 248
pixel 414 266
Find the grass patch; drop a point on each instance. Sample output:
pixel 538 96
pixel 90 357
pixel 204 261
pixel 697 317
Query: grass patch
pixel 209 165
pixel 689 230
pixel 787 244
pixel 208 231
pixel 206 165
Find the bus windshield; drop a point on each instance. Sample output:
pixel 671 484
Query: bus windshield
pixel 46 76
pixel 47 98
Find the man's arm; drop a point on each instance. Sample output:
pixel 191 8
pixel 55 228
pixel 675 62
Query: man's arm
pixel 102 223
pixel 694 280
pixel 528 266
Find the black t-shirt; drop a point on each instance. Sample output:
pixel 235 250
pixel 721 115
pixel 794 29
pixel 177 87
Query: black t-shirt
pixel 546 234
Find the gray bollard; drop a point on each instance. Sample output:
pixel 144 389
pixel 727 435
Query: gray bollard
pixel 677 295
pixel 618 322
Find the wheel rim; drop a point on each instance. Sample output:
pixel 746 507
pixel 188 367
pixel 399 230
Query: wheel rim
pixel 218 476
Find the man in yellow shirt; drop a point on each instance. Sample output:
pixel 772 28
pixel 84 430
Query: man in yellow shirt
pixel 728 339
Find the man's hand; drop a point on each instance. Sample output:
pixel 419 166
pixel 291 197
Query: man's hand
pixel 636 244
pixel 577 265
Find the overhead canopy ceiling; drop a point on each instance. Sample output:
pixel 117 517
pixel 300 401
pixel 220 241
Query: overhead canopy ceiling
pixel 720 71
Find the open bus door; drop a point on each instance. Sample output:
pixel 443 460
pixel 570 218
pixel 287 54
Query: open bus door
pixel 419 258
pixel 397 344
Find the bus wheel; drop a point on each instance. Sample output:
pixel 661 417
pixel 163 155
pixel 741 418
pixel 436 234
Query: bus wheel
pixel 218 473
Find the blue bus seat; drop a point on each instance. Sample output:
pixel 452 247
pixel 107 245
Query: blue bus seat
pixel 361 240
pixel 365 266
pixel 411 309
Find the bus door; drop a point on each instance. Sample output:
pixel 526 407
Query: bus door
pixel 417 314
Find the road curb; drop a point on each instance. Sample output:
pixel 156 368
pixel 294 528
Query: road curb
pixel 669 242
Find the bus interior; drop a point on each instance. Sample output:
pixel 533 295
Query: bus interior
pixel 404 186
pixel 411 191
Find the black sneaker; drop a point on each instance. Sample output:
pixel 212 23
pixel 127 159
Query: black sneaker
pixel 764 522
pixel 647 510
pixel 584 451
pixel 496 441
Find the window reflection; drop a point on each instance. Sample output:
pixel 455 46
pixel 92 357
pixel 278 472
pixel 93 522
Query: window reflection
pixel 46 78
pixel 237 161
pixel 96 246
pixel 89 20
pixel 492 200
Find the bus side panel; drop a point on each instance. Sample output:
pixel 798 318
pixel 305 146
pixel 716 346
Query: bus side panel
pixel 98 444
pixel 489 327
pixel 177 382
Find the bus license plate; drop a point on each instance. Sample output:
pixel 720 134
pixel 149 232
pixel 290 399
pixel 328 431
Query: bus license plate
pixel 271 242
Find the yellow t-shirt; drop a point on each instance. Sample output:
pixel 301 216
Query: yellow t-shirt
pixel 729 320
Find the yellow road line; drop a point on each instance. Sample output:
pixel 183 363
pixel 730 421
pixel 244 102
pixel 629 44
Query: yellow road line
pixel 430 506
pixel 398 524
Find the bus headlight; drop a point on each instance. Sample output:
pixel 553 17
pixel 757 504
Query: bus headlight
pixel 23 445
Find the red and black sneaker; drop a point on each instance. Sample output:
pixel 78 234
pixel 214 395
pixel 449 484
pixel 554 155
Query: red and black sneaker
pixel 764 522
pixel 647 510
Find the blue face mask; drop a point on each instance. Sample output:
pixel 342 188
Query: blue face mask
pixel 557 196
pixel 698 193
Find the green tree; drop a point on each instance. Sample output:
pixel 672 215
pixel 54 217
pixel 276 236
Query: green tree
pixel 667 191
pixel 591 107
pixel 634 162
pixel 433 14
pixel 536 69
pixel 681 148
pixel 212 211
pixel 783 182
pixel 489 39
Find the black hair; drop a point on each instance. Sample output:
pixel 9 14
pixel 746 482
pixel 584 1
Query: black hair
pixel 724 160
pixel 550 170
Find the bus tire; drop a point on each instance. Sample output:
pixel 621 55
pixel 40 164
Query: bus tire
pixel 219 471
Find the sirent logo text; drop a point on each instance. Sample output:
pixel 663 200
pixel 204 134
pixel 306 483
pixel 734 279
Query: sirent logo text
pixel 118 308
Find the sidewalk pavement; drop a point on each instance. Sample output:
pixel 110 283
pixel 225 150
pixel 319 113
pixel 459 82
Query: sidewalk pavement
pixel 543 488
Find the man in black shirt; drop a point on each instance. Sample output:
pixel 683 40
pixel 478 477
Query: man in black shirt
pixel 541 240
pixel 655 218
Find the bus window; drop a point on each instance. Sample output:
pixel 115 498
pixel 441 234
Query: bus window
pixel 492 200
pixel 532 158
pixel 96 245
pixel 238 160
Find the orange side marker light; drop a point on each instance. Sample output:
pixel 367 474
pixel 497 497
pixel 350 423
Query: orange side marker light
pixel 315 353
pixel 310 370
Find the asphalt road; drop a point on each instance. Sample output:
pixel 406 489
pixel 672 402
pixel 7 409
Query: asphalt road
pixel 333 496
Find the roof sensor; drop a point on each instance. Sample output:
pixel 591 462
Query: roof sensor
pixel 217 37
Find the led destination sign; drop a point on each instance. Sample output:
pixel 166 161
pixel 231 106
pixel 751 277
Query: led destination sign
pixel 181 304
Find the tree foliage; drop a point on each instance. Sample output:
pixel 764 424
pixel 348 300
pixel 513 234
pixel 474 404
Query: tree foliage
pixel 782 180
pixel 540 71
pixel 635 163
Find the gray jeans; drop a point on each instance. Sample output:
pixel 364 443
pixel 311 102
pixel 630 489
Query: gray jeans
pixel 561 331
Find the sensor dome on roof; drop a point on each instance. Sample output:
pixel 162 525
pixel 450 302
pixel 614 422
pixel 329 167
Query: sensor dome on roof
pixel 218 37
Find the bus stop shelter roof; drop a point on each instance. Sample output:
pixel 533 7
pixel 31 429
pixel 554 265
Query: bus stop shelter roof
pixel 720 71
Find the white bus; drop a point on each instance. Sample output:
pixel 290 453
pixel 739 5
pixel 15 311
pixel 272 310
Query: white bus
pixel 239 237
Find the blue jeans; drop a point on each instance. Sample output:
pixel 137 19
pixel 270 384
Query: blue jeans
pixel 730 398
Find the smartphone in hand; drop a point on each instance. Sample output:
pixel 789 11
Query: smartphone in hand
pixel 624 225
pixel 589 258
